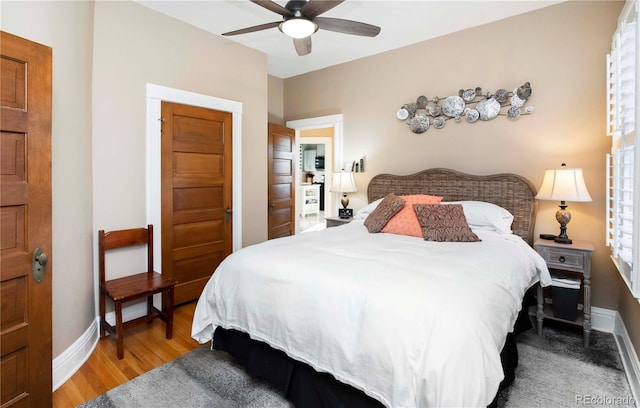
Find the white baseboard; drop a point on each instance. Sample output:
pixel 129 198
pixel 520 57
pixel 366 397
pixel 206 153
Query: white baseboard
pixel 70 360
pixel 603 320
pixel 628 355
pixel 609 321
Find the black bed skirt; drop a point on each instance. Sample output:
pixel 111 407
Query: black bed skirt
pixel 307 388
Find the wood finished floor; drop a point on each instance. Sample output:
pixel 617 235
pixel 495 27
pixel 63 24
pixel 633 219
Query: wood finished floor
pixel 145 347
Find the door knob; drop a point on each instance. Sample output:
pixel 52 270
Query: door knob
pixel 40 260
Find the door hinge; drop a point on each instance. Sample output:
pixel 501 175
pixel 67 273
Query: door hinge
pixel 161 119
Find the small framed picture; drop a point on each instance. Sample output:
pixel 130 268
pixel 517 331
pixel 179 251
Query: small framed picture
pixel 345 212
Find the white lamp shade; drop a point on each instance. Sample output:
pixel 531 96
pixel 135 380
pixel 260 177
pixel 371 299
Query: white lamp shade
pixel 563 184
pixel 343 183
pixel 298 27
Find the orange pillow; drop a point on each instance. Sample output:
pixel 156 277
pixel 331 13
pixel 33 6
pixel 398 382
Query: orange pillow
pixel 405 222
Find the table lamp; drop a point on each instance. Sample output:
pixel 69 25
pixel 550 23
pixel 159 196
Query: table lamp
pixel 563 184
pixel 343 183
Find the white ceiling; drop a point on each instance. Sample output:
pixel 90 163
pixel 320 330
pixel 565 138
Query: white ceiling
pixel 402 22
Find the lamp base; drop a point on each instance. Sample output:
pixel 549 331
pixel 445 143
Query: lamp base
pixel 563 216
pixel 344 200
pixel 561 240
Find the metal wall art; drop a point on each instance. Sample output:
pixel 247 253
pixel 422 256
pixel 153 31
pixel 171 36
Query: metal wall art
pixel 471 104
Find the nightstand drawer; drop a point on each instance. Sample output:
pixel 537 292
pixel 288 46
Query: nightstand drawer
pixel 563 259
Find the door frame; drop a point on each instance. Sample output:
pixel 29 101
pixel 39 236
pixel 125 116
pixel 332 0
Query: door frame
pixel 334 121
pixel 155 94
pixel 329 209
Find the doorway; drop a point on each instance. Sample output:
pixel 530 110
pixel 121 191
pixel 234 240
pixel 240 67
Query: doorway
pixel 314 168
pixel 311 127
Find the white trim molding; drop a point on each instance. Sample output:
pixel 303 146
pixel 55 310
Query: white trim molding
pixel 155 95
pixel 70 361
pixel 628 355
pixel 334 121
pixel 603 320
pixel 609 321
pixel 330 121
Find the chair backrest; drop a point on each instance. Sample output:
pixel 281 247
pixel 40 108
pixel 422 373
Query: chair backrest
pixel 121 239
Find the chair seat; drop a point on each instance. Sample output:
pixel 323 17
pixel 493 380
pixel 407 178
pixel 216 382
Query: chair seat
pixel 135 286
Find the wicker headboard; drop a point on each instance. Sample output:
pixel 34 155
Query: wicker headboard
pixel 509 191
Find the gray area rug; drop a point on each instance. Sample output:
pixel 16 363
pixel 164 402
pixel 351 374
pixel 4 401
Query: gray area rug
pixel 553 371
pixel 200 378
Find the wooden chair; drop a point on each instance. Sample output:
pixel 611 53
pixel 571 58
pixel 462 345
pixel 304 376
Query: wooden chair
pixel 132 287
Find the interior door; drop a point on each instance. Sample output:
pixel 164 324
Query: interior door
pixel 196 189
pixel 25 223
pixel 281 181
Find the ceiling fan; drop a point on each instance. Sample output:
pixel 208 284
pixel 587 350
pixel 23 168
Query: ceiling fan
pixel 300 20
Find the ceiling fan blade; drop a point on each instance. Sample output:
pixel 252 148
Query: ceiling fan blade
pixel 316 7
pixel 273 6
pixel 347 26
pixel 303 45
pixel 254 28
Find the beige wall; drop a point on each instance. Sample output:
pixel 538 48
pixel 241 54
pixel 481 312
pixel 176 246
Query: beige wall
pixel 276 100
pixel 321 132
pixel 135 46
pixel 66 27
pixel 560 50
pixel 101 64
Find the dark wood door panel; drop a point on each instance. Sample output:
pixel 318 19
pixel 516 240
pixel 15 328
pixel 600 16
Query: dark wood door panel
pixel 198 233
pixel 196 194
pixel 13 83
pixel 198 198
pixel 281 181
pixel 198 165
pixel 197 267
pixel 25 222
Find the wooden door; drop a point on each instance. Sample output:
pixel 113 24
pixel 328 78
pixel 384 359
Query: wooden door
pixel 25 222
pixel 281 182
pixel 196 195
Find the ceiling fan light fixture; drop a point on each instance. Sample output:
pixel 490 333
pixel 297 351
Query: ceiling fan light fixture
pixel 298 27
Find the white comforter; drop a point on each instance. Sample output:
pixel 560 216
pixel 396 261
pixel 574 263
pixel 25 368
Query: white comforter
pixel 411 323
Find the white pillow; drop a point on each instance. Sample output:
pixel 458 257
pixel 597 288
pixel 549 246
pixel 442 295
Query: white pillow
pixel 368 209
pixel 488 216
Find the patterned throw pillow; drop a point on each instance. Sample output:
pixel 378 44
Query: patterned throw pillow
pixel 387 208
pixel 405 221
pixel 444 223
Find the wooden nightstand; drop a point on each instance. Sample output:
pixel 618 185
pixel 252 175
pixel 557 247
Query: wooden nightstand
pixel 336 221
pixel 573 258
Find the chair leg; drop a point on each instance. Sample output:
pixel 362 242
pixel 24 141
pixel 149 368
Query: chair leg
pixel 169 333
pixel 102 314
pixel 150 309
pixel 119 330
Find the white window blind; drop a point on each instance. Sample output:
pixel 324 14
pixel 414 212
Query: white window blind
pixel 623 187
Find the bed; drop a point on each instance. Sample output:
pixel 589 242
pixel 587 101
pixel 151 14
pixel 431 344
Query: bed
pixel 344 317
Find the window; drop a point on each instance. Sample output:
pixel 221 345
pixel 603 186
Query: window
pixel 623 172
